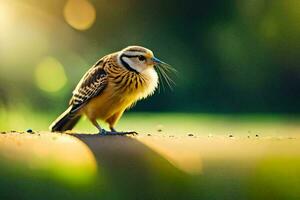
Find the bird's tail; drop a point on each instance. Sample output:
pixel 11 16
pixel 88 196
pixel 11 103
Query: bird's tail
pixel 66 121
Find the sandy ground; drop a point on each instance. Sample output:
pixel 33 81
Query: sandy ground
pixel 187 153
pixel 194 161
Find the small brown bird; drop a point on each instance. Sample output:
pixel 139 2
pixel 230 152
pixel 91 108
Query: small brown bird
pixel 111 86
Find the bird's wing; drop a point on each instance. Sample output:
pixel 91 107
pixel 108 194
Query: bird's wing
pixel 91 85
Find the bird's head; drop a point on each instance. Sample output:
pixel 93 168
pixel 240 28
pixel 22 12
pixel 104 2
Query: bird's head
pixel 137 58
pixel 140 59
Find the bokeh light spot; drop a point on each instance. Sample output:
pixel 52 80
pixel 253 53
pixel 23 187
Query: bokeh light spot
pixel 80 14
pixel 5 16
pixel 50 75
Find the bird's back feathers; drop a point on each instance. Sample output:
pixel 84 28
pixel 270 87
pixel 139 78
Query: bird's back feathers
pixel 91 85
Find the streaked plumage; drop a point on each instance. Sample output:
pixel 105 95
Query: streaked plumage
pixel 111 86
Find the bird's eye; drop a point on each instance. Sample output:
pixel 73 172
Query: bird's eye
pixel 141 58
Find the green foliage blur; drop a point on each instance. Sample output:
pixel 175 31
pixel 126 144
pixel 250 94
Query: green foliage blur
pixel 231 56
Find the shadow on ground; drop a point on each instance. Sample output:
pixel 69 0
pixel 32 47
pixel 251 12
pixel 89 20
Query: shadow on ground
pixel 133 170
pixel 59 166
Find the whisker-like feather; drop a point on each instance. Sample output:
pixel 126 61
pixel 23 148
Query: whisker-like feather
pixel 160 76
pixel 166 78
pixel 160 84
pixel 163 70
pixel 169 68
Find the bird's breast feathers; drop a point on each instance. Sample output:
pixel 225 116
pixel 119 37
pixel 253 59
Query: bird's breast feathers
pixel 134 85
pixel 122 92
pixel 151 83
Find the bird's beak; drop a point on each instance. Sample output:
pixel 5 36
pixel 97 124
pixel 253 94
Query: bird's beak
pixel 157 61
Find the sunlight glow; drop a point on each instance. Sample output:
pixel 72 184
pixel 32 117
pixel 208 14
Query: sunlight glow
pixel 178 153
pixel 6 16
pixel 60 156
pixel 50 75
pixel 22 37
pixel 80 14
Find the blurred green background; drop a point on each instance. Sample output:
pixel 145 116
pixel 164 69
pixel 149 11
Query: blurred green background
pixel 233 56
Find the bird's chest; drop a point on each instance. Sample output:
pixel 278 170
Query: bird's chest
pixel 132 86
pixel 121 92
pixel 111 101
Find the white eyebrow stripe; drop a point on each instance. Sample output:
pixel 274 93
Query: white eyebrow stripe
pixel 132 54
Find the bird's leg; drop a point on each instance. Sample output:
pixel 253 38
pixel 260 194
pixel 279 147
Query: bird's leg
pixel 95 123
pixel 118 133
pixel 112 132
pixel 112 129
pixel 112 121
pixel 115 132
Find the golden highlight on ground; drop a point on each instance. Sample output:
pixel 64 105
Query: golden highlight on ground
pixel 62 157
pixel 191 154
pixel 50 75
pixel 178 152
pixel 80 14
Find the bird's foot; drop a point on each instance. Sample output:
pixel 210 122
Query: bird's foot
pixel 104 132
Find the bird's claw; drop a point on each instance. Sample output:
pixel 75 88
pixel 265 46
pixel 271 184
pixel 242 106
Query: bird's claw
pixel 104 132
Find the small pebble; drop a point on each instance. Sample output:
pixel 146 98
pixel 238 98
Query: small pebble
pixel 256 135
pixel 159 127
pixel 3 132
pixel 29 131
pixel 190 134
pixel 248 136
pixel 230 135
pixel 13 131
pixel 148 134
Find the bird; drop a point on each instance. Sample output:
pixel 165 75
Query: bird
pixel 111 86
